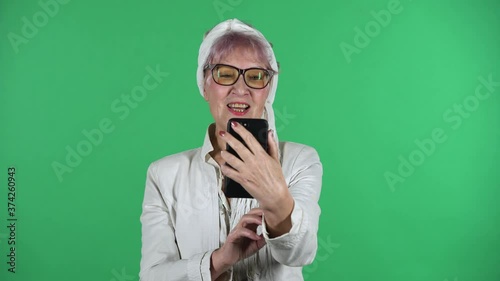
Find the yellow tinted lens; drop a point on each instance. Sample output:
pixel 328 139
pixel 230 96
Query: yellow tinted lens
pixel 225 75
pixel 256 78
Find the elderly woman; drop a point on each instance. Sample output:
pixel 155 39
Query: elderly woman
pixel 190 229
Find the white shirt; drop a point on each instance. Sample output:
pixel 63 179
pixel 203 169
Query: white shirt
pixel 185 217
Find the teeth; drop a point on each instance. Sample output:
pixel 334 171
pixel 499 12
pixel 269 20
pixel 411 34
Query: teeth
pixel 238 105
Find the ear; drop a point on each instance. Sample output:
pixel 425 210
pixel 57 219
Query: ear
pixel 205 95
pixel 205 85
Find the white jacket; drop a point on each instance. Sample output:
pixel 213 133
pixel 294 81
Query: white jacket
pixel 184 218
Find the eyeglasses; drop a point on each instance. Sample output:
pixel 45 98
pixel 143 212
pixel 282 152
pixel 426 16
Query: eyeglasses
pixel 227 75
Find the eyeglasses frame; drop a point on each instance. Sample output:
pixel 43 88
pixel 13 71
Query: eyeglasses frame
pixel 241 72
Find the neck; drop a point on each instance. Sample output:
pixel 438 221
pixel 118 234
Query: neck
pixel 217 143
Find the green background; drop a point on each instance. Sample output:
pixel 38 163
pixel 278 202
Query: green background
pixel 361 112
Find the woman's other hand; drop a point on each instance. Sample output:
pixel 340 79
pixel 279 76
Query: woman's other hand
pixel 241 243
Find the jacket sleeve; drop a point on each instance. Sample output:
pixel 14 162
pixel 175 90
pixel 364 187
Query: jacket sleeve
pixel 298 247
pixel 160 259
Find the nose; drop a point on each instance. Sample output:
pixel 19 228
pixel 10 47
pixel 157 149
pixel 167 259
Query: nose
pixel 240 87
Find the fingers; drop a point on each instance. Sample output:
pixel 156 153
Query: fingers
pixel 247 233
pixel 232 160
pixel 261 243
pixel 251 221
pixel 248 224
pixel 254 216
pixel 234 174
pixel 247 137
pixel 243 240
pixel 239 147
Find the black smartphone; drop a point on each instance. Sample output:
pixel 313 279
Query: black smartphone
pixel 258 128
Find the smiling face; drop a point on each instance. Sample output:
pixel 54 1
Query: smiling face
pixel 238 100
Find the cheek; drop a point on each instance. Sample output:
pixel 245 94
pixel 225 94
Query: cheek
pixel 262 99
pixel 215 97
pixel 207 89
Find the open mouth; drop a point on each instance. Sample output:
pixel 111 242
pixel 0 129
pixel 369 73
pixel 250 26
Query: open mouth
pixel 238 108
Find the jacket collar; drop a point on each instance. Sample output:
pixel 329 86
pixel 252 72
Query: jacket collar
pixel 207 144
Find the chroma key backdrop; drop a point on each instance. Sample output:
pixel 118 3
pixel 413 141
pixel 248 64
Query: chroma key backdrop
pixel 401 99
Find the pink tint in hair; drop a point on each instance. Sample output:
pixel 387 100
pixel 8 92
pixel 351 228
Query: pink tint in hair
pixel 233 40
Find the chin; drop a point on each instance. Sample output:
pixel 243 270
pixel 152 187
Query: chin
pixel 252 115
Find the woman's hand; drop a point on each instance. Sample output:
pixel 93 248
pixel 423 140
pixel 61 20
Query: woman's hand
pixel 241 243
pixel 260 173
